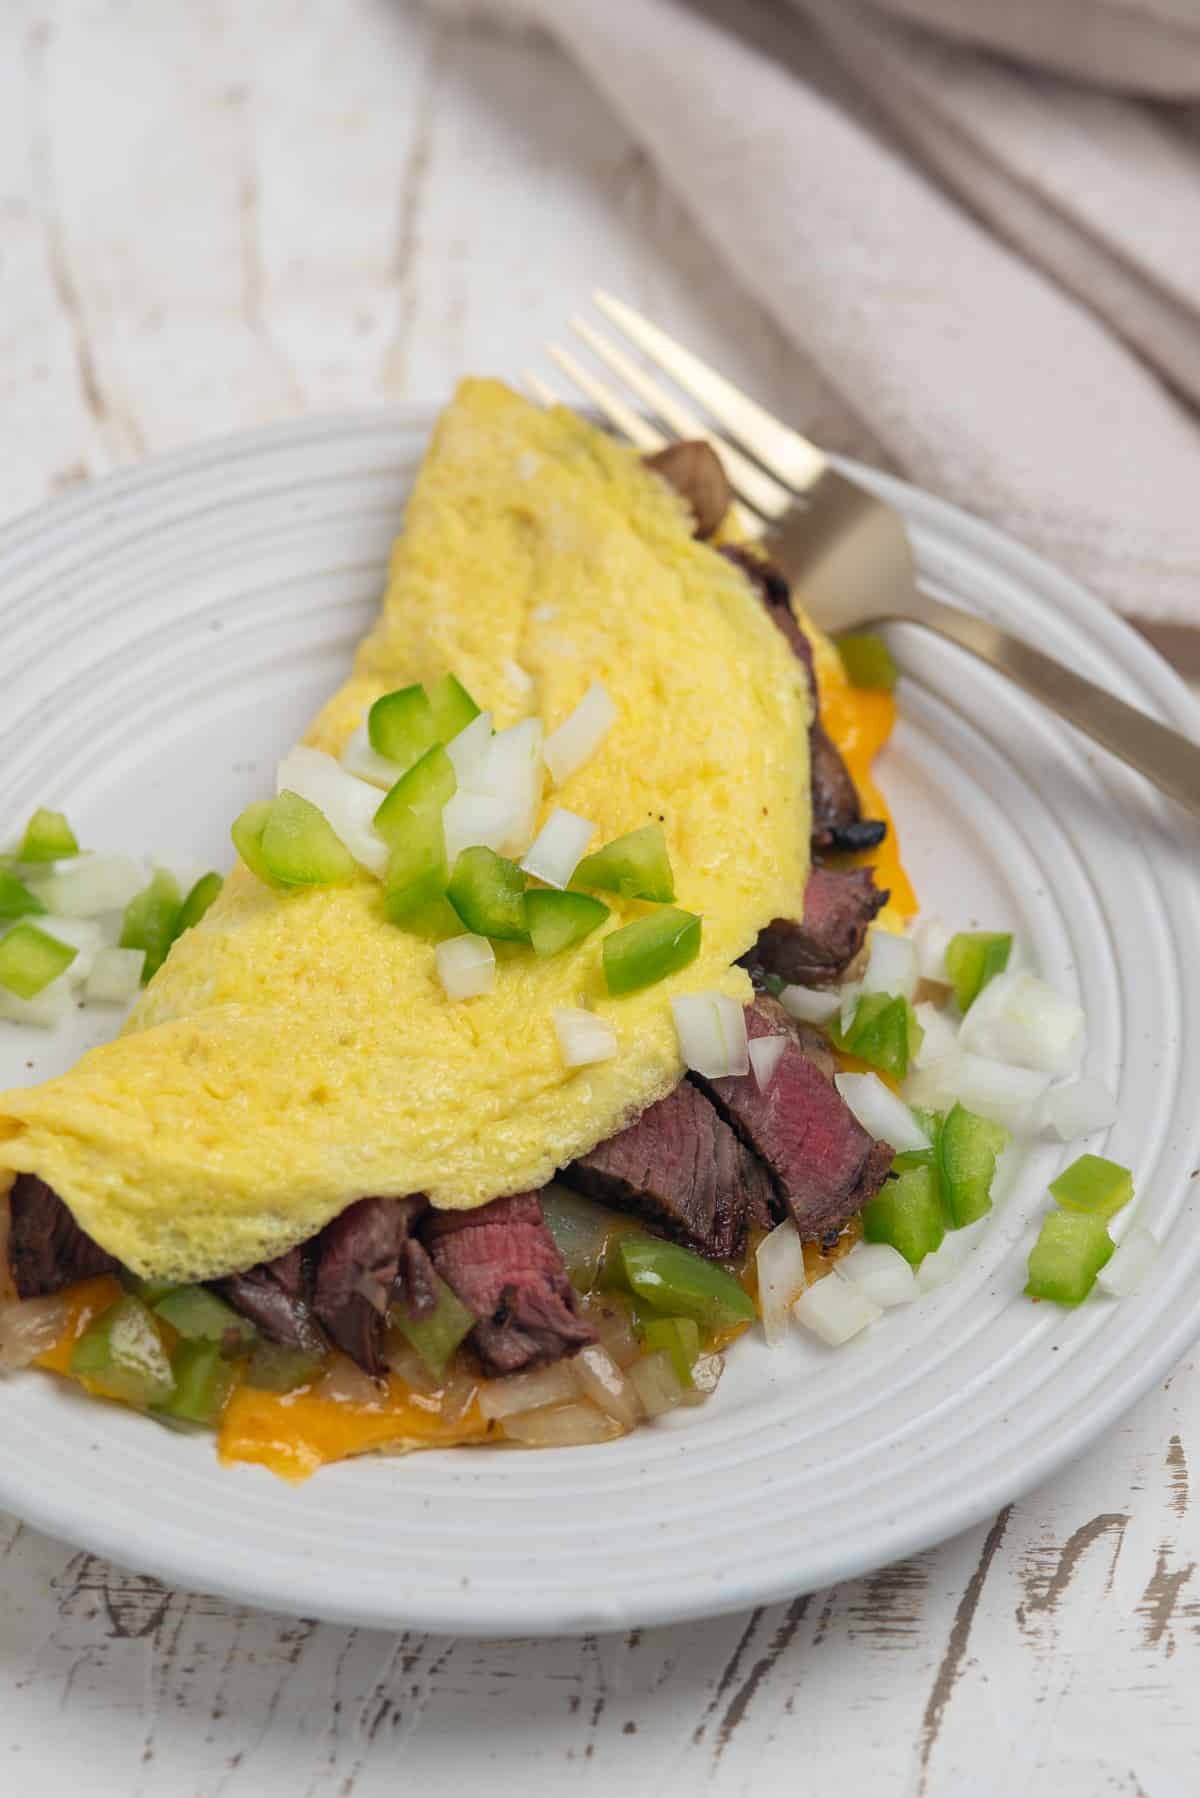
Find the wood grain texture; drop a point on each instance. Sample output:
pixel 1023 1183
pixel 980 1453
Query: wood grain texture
pixel 215 215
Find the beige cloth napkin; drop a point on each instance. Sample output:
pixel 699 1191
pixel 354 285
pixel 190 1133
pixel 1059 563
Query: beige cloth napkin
pixel 997 268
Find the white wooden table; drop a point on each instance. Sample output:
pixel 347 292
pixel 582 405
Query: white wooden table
pixel 215 215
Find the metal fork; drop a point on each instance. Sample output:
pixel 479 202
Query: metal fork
pixel 846 552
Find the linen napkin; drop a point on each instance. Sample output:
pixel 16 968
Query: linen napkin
pixel 996 267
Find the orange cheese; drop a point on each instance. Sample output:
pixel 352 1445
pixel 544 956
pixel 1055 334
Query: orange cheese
pixel 860 723
pixel 85 1302
pixel 294 1433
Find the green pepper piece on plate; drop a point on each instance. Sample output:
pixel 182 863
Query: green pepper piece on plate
pixel 452 707
pixel 558 921
pixel 48 838
pixel 1093 1185
pixel 199 898
pixel 300 846
pixel 636 865
pixel 122 1355
pixel 883 1032
pixel 150 920
pixel 974 957
pixel 400 726
pixel 16 899
pixel 868 662
pixel 247 833
pixel 204 1381
pixel 488 893
pixel 967 1151
pixel 31 958
pixel 677 1283
pixel 199 1315
pixel 907 1213
pixel 1070 1251
pixel 275 1368
pixel 435 1337
pixel 650 948
pixel 678 1337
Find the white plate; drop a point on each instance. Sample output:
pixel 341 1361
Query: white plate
pixel 167 633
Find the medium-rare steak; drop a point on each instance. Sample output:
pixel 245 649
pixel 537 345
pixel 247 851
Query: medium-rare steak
pixel 818 948
pixel 46 1248
pixel 359 1259
pixel 681 1168
pixel 504 1265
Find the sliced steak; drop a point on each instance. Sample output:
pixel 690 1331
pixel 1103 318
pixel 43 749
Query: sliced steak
pixel 276 1296
pixel 504 1265
pixel 817 950
pixel 46 1248
pixel 837 821
pixel 681 1168
pixel 824 1165
pixel 694 470
pixel 767 1017
pixel 359 1258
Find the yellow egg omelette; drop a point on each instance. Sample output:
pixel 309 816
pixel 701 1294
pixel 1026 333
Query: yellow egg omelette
pixel 297 1051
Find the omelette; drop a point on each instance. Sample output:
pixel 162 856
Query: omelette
pixel 297 1059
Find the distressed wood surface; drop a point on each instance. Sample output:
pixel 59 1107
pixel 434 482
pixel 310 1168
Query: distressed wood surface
pixel 215 215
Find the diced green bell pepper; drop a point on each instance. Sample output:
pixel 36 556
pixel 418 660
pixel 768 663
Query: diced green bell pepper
pixel 200 897
pixel 678 1337
pixel 883 1032
pixel 913 1158
pixel 400 726
pixel 275 1368
pixel 48 838
pixel 150 1291
pixel 122 1355
pixel 247 833
pixel 488 893
pixel 425 788
pixel 1093 1185
pixel 558 921
pixel 204 1381
pixel 301 848
pixel 150 920
pixel 1070 1251
pixel 417 872
pixel 907 1213
pixel 868 662
pixel 650 948
pixel 967 1150
pixel 435 1337
pixel 974 957
pixel 200 1316
pixel 677 1283
pixel 636 865
pixel 31 958
pixel 452 707
pixel 16 899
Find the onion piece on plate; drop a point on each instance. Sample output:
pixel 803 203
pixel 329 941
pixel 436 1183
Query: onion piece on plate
pixel 1018 1018
pixel 781 1278
pixel 468 749
pixel 1078 1107
pixel 365 763
pixel 28 1327
pixel 835 1310
pixel 931 938
pixel 879 1111
pixel 711 1028
pixel 349 804
pixel 880 1271
pixel 891 965
pixel 994 1089
pixel 553 1385
pixel 115 976
pixel 810 1004
pixel 658 1386
pixel 602 1381
pixel 940 1038
pixel 561 1426
pixel 90 886
pixel 1130 1261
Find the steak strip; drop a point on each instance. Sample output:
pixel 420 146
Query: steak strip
pixel 46 1248
pixel 817 949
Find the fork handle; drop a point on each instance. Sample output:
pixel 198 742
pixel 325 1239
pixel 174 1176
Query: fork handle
pixel 1163 755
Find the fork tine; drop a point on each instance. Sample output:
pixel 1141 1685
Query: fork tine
pixel 787 455
pixel 541 390
pixel 765 495
pixel 632 425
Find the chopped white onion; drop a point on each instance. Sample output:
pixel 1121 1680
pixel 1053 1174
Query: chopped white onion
pixel 948 1260
pixel 115 977
pixel 558 847
pixel 365 763
pixel 28 1327
pixel 518 678
pixel 835 1310
pixel 511 769
pixel 91 885
pixel 470 746
pixel 466 966
pixel 553 1385
pixel 44 1011
pixel 931 939
pixel 879 1111
pixel 580 734
pixel 810 1004
pixel 781 1278
pixel 891 965
pixel 880 1271
pixel 992 1088
pixel 601 1381
pixel 657 1384
pixel 711 1028
pixel 765 1054
pixel 486 819
pixel 583 1037
pixel 80 934
pixel 850 996
pixel 562 1426
pixel 1134 1253
pixel 1078 1107
pixel 349 804
pixel 1018 1018
pixel 941 1038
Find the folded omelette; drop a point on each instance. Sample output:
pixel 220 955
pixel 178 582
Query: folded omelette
pixel 296 1051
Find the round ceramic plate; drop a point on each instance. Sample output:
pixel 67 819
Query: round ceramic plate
pixel 167 635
